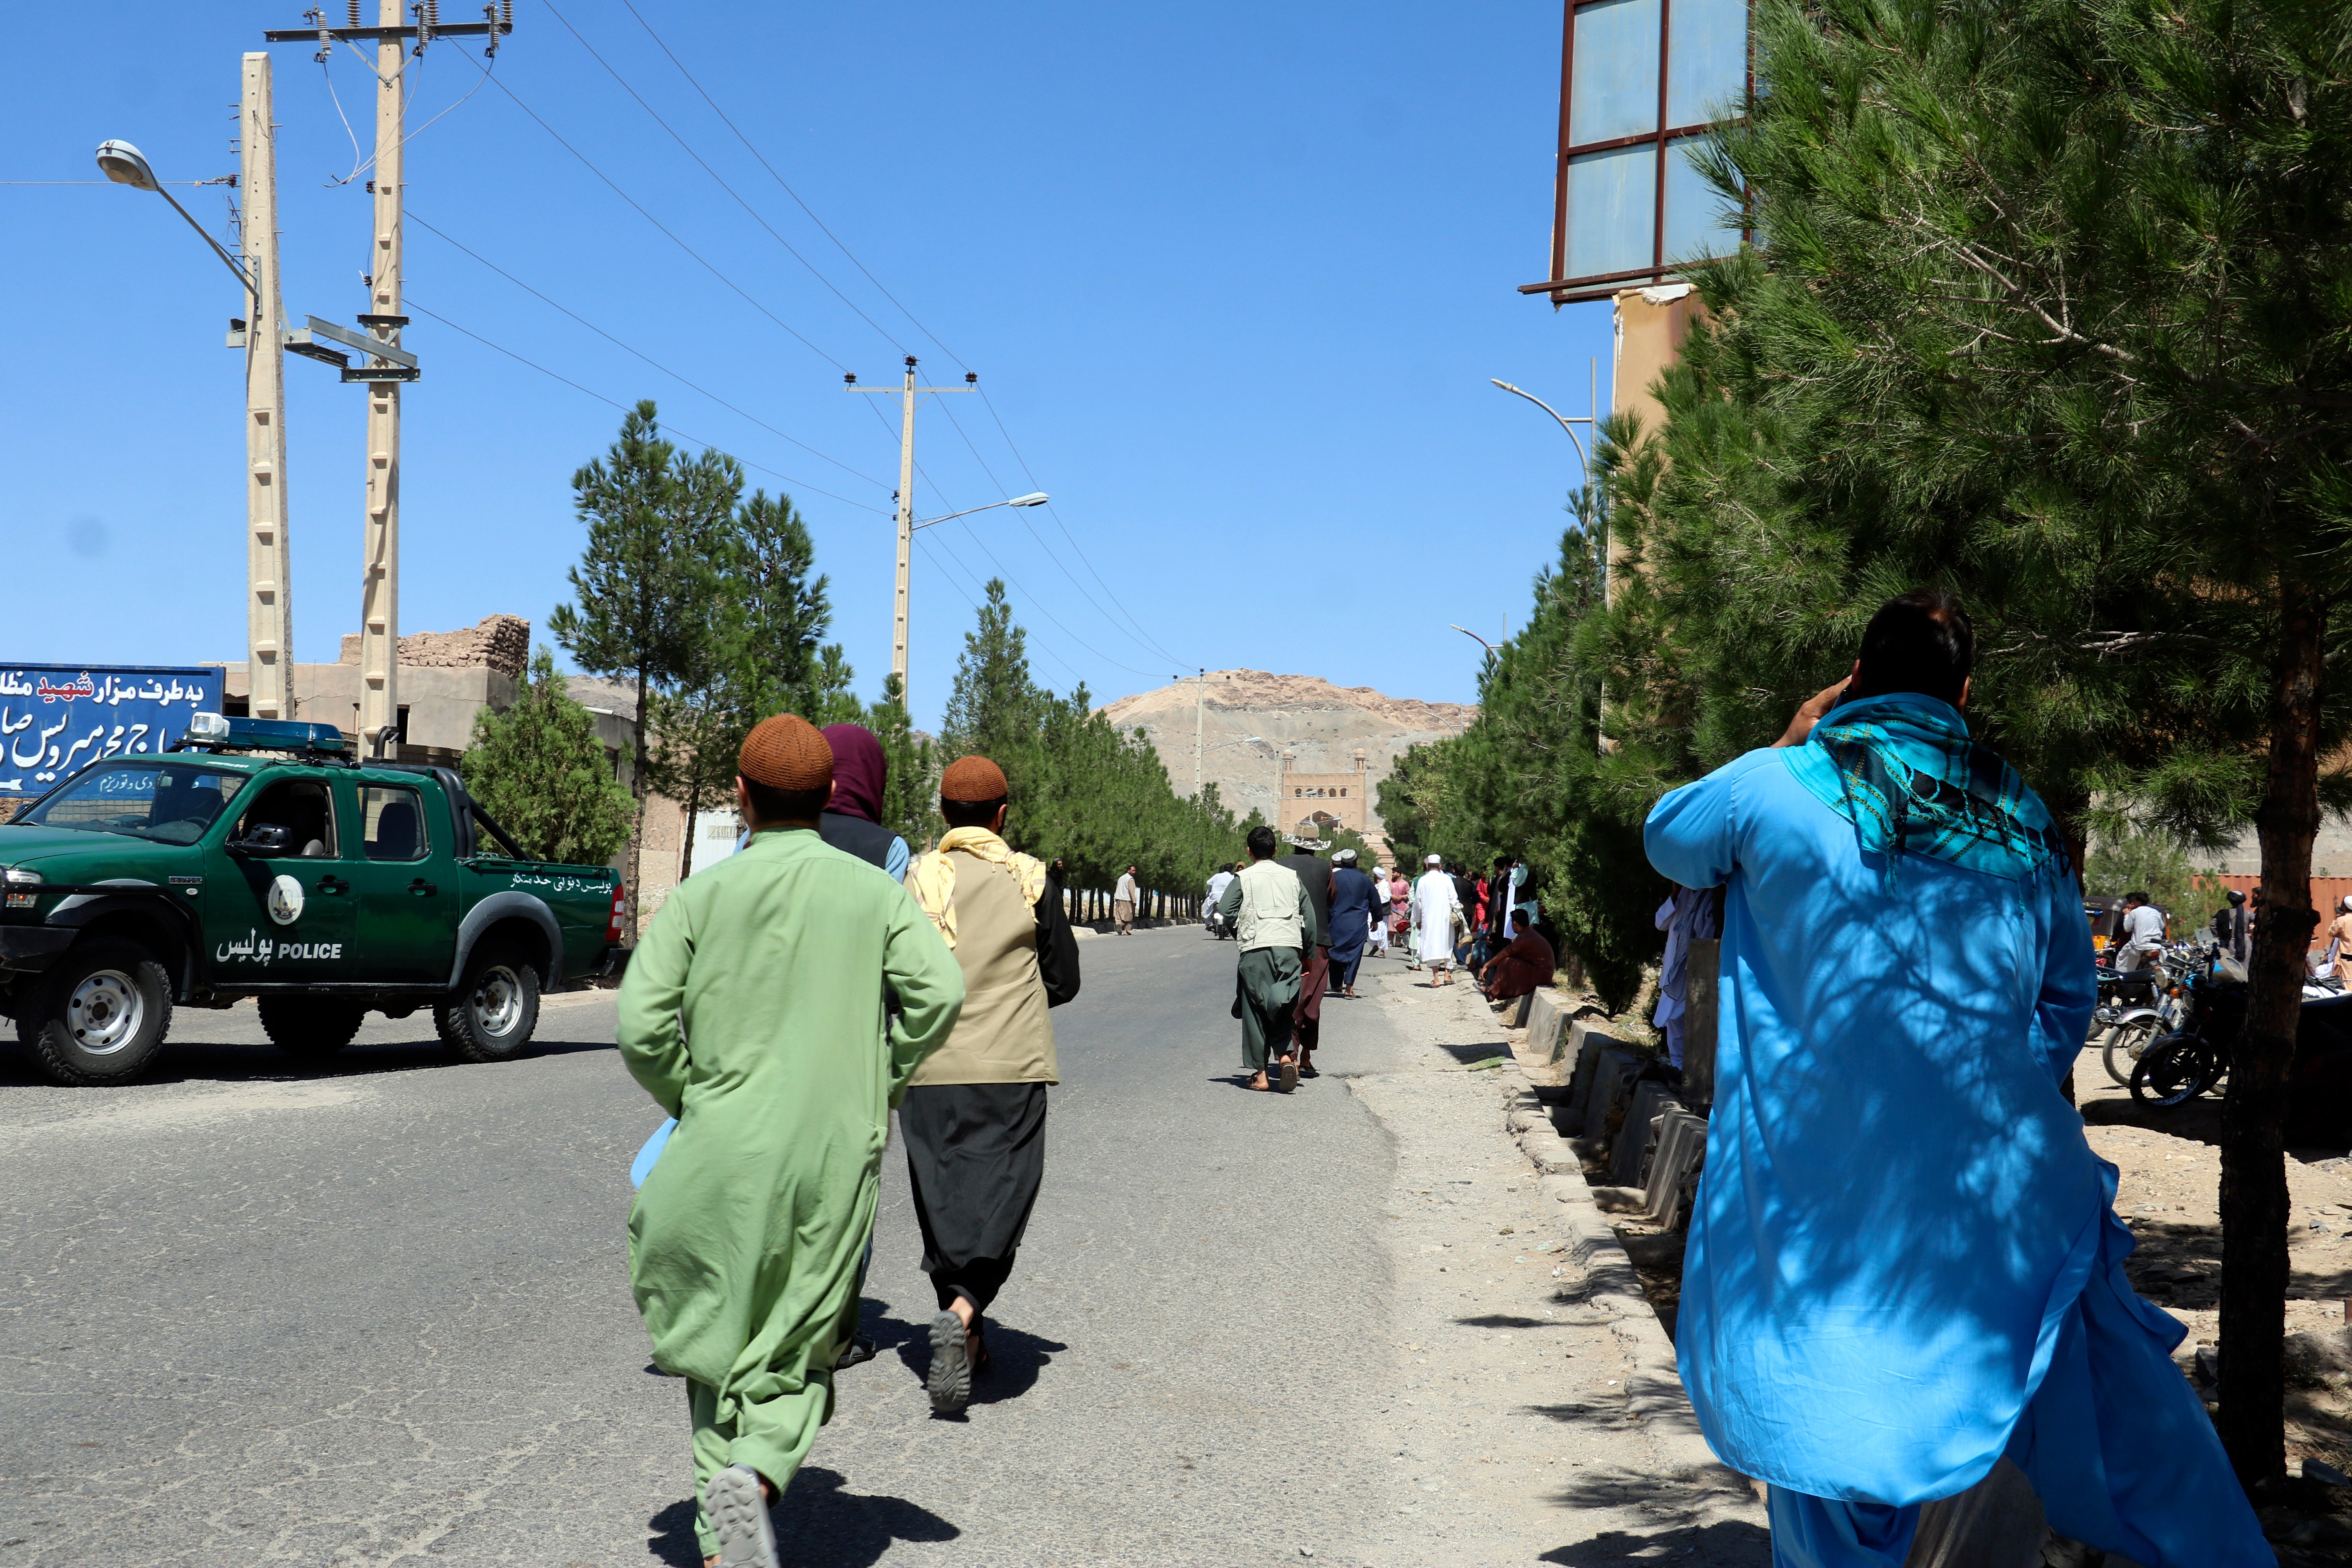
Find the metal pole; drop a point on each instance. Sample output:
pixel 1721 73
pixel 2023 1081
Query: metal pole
pixel 269 582
pixel 1200 681
pixel 380 529
pixel 906 525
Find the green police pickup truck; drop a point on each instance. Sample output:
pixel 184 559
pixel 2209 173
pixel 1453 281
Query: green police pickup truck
pixel 256 859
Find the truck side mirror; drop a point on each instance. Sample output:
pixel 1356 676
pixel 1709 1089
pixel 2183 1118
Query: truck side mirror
pixel 266 840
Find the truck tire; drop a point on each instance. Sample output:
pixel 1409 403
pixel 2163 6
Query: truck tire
pixel 310 1025
pixel 491 1018
pixel 100 1015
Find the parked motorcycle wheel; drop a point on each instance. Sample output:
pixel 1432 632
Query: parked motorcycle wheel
pixel 2125 1045
pixel 2176 1069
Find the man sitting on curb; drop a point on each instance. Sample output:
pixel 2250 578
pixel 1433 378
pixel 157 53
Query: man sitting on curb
pixel 1273 920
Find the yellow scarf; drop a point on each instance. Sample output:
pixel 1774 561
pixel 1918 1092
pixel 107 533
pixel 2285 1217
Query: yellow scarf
pixel 931 878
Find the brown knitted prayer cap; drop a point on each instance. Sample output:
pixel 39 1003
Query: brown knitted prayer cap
pixel 786 752
pixel 972 781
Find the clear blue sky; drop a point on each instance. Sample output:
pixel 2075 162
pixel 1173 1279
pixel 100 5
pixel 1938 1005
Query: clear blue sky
pixel 1234 276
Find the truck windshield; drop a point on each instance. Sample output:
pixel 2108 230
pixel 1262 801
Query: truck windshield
pixel 168 803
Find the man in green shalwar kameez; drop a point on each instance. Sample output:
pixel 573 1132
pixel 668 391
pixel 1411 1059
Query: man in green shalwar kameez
pixel 753 1012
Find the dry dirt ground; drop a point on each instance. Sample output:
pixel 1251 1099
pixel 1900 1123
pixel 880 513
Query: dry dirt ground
pixel 2167 1189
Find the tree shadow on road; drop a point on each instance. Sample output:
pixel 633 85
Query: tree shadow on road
pixel 1687 1508
pixel 1506 1321
pixel 1732 1544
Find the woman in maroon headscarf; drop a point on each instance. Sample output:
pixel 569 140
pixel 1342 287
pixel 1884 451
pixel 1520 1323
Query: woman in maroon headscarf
pixel 851 821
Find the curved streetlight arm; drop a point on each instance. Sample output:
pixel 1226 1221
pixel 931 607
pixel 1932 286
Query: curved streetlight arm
pixel 227 259
pixel 1565 421
pixel 991 506
pixel 1473 637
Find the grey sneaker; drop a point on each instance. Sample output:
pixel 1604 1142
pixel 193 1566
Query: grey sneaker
pixel 739 1517
pixel 950 1381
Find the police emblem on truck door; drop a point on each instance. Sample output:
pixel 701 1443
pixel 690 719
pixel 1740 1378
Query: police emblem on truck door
pixel 284 899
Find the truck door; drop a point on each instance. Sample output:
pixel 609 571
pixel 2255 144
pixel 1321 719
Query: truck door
pixel 405 881
pixel 281 917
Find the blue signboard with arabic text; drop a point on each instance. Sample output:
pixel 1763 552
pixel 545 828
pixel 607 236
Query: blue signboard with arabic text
pixel 58 718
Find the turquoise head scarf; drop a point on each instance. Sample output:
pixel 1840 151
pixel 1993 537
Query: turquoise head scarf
pixel 1902 770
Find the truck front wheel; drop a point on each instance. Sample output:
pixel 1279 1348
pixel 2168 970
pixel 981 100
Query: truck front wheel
pixel 491 1018
pixel 309 1025
pixel 100 1015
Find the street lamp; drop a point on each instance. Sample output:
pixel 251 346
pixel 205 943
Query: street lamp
pixel 1566 423
pixel 123 163
pixel 1036 498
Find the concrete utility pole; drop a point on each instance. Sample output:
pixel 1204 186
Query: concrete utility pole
pixel 387 364
pixel 380 529
pixel 268 567
pixel 905 499
pixel 1199 686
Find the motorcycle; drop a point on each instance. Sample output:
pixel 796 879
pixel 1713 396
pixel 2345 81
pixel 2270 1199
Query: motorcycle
pixel 2138 1006
pixel 2127 1016
pixel 1220 928
pixel 2195 1060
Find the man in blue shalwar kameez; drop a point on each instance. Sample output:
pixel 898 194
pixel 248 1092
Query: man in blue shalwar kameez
pixel 1905 1261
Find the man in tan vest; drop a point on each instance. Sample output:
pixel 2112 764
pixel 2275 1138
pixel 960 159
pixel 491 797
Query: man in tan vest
pixel 974 1114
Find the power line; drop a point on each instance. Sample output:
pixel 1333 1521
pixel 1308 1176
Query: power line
pixel 989 405
pixel 1050 552
pixel 1039 605
pixel 788 190
pixel 688 148
pixel 794 331
pixel 1144 639
pixel 1028 635
pixel 617 342
pixel 410 304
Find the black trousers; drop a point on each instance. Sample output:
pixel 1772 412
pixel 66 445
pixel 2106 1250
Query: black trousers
pixel 975 1158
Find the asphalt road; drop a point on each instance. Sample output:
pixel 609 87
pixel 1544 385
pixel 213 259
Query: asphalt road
pixel 377 1311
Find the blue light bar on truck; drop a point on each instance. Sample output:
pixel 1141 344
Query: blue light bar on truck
pixel 263 734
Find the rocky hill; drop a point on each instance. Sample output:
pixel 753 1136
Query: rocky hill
pixel 1322 723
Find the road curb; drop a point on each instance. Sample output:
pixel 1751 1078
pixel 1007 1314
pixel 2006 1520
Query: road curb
pixel 1610 1292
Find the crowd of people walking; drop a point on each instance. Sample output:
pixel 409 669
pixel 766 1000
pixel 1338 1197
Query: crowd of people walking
pixel 1305 926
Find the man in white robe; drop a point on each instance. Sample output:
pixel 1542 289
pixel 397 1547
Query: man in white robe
pixel 1434 904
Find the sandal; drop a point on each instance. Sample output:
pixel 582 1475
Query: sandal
pixel 1289 1077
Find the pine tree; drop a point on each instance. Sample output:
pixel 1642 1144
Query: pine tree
pixel 2052 314
pixel 911 792
pixel 542 774
pixel 643 587
pixel 995 707
pixel 758 649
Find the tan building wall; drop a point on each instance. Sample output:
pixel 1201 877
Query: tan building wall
pixel 1651 326
pixel 1346 797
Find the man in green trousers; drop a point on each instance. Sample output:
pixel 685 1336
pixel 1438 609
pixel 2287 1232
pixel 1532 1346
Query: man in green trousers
pixel 1274 920
pixel 753 1012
